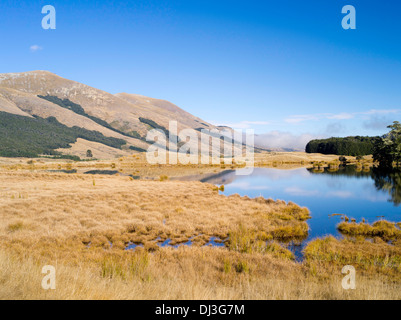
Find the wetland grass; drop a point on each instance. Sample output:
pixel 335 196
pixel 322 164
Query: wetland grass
pixel 84 232
pixel 383 229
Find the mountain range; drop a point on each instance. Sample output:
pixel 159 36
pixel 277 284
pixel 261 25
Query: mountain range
pixel 42 113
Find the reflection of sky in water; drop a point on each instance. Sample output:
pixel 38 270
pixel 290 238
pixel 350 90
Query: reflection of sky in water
pixel 323 194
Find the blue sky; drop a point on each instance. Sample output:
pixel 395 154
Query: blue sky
pixel 280 67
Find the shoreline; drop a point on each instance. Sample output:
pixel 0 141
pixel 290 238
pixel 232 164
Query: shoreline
pixel 137 166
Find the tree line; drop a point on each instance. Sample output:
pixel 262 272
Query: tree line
pixel 349 146
pixel 386 150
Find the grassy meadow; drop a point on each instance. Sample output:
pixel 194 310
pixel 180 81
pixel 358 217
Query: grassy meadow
pixel 83 224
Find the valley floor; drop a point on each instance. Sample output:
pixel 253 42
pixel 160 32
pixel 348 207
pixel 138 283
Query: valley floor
pixel 83 224
pixel 136 164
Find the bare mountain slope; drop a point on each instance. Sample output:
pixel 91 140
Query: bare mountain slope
pixel 121 111
pixel 9 106
pixel 165 109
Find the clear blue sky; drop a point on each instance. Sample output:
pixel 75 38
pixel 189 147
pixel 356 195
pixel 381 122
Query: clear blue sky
pixel 283 66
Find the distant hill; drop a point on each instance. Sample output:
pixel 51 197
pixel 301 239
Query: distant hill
pixel 37 96
pixel 349 146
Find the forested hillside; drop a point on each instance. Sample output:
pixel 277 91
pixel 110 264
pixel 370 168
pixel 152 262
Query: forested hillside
pixel 30 137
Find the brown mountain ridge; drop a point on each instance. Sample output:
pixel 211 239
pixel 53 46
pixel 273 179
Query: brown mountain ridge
pixel 121 116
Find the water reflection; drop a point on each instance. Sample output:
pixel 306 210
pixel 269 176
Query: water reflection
pixel 359 194
pixel 389 182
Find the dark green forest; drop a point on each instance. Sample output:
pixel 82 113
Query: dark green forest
pixel 349 146
pixel 154 125
pixel 137 149
pixel 30 137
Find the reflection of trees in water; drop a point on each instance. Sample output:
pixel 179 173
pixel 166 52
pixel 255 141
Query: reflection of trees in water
pixel 389 181
pixel 225 177
pixel 350 171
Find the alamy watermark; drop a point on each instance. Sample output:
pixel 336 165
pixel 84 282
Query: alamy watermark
pixel 201 146
pixel 49 21
pixel 349 281
pixel 49 280
pixel 349 21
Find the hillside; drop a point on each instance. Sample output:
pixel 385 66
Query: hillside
pixel 127 117
pixel 33 136
pixel 122 111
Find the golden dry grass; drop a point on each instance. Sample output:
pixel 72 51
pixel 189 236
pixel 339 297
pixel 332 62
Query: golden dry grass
pixel 376 258
pixel 187 273
pixel 383 229
pixel 69 221
pixel 137 165
pixel 99 209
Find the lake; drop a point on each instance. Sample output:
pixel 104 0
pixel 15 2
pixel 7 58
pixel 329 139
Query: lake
pixel 371 195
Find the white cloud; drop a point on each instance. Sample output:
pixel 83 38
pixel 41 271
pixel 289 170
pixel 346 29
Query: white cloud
pixel 335 124
pixel 375 111
pixel 302 118
pixel 257 123
pixel 35 48
pixel 340 194
pixel 247 186
pixel 296 191
pixel 341 116
pixel 337 116
pixel 284 140
pixel 242 124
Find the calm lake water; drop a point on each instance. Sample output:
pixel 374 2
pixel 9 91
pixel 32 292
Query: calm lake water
pixel 370 195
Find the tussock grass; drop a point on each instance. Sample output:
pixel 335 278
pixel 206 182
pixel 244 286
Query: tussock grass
pixel 187 273
pixel 375 259
pixel 128 267
pixel 83 231
pixel 383 229
pixel 66 208
pixel 17 226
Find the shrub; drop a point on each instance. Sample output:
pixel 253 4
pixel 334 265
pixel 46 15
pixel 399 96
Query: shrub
pixel 13 227
pixel 242 267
